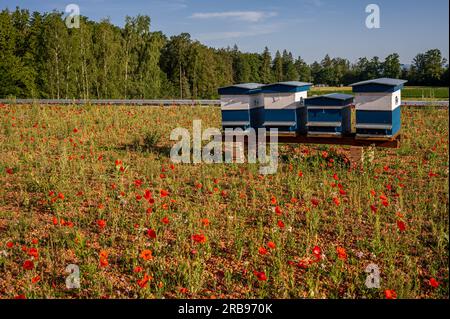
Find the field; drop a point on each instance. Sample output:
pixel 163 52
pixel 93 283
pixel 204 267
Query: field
pixel 408 92
pixel 94 187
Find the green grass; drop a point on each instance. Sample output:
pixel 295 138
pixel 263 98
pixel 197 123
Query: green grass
pixel 409 92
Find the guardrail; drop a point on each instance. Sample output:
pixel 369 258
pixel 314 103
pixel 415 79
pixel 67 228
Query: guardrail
pixel 166 102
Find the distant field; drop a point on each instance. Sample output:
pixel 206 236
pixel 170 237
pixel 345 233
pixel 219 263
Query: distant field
pixel 409 92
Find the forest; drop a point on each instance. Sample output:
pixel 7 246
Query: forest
pixel 40 57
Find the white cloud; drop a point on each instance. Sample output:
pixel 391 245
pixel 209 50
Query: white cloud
pixel 250 16
pixel 250 32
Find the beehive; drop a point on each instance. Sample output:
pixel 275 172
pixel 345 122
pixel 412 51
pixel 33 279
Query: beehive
pixel 242 106
pixel 377 104
pixel 283 106
pixel 329 114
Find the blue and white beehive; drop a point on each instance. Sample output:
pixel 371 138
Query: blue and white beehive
pixel 329 114
pixel 377 104
pixel 242 105
pixel 283 106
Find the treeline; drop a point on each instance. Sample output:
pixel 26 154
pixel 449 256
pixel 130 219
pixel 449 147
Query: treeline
pixel 41 58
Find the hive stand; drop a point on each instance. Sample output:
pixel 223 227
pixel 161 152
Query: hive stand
pixel 356 154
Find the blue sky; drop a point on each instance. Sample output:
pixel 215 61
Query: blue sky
pixel 310 28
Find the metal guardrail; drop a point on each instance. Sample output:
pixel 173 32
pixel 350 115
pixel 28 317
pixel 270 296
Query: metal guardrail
pixel 111 102
pixel 166 102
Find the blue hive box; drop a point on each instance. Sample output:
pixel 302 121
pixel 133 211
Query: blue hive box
pixel 284 108
pixel 329 114
pixel 242 106
pixel 377 105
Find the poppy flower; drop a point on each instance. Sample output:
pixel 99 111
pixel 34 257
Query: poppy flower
pixel 101 223
pixel 33 252
pixel 204 221
pixel 335 177
pixel 103 258
pixel 118 162
pixel 164 193
pixel 165 220
pixel 401 225
pixel 261 275
pixel 199 238
pixel 20 297
pixel 271 245
pixel 342 192
pixel 137 269
pixel 317 252
pixel 138 183
pixel 336 201
pixel 147 194
pixel 9 171
pixel 342 254
pixel 385 203
pixel 433 283
pixel 75 130
pixel 143 282
pixel 278 210
pixel 280 224
pixel 28 265
pixel 146 254
pixel 390 294
pixel 184 290
pixel 300 174
pixel 151 233
pixel 36 279
pixel 315 201
pixel 273 200
pixel 60 195
pixel 373 208
pixel 262 251
pixel 10 244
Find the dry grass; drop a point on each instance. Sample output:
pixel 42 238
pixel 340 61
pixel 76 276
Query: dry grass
pixel 72 151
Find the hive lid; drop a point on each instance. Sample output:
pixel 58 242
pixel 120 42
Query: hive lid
pixel 333 96
pixel 382 81
pixel 290 83
pixel 240 88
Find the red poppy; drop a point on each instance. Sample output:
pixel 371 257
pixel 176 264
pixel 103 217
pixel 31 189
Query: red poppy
pixel 433 283
pixel 373 208
pixel 28 265
pixel 261 275
pixel 146 254
pixel 401 225
pixel 147 194
pixel 342 254
pixel 137 269
pixel 35 279
pixel 385 203
pixel 315 201
pixel 184 290
pixel 9 244
pixel 151 233
pixel 317 252
pixel 165 220
pixel 336 201
pixel 9 171
pixel 101 223
pixel 60 195
pixel 164 193
pixel 273 200
pixel 138 183
pixel 199 238
pixel 271 245
pixel 20 297
pixel 300 174
pixel 33 252
pixel 204 221
pixel 342 192
pixel 335 177
pixel 278 210
pixel 138 197
pixel 280 224
pixel 262 251
pixel 390 294
pixel 143 282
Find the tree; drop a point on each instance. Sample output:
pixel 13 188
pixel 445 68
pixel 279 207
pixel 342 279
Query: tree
pixel 428 67
pixel 392 67
pixel 289 70
pixel 303 70
pixel 278 67
pixel 266 64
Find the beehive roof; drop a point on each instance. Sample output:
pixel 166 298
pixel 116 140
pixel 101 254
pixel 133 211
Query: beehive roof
pixel 382 81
